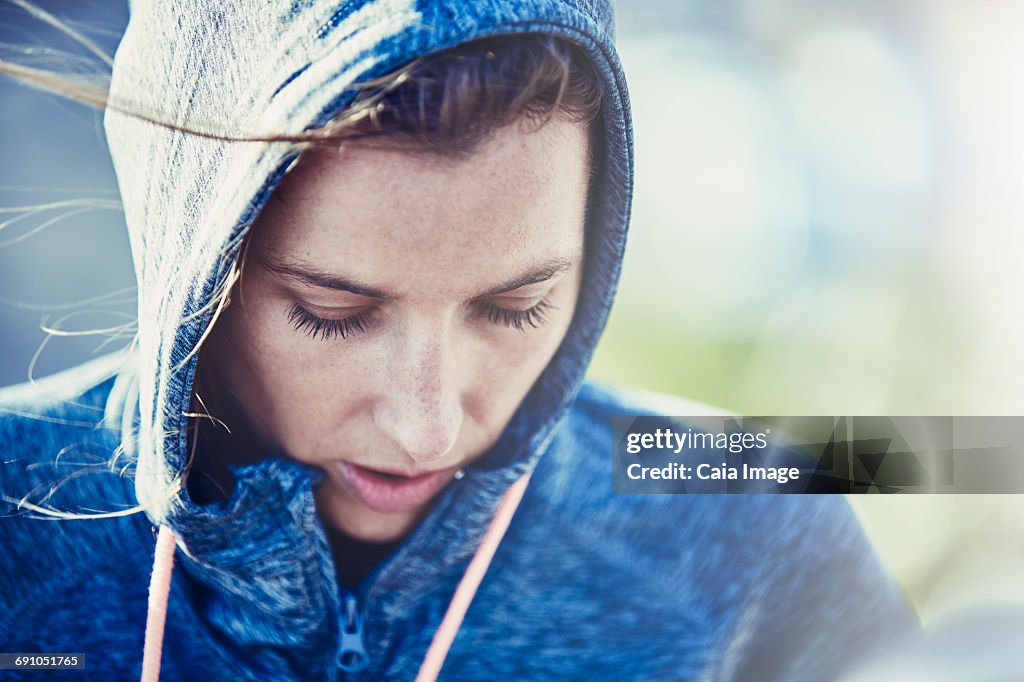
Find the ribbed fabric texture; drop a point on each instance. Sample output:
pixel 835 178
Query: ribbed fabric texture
pixel 159 591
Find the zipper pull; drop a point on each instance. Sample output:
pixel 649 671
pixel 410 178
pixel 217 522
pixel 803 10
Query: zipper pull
pixel 352 655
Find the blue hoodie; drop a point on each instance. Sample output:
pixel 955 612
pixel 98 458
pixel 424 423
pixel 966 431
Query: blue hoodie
pixel 585 585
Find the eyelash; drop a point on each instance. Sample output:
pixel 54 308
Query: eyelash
pixel 517 319
pixel 323 329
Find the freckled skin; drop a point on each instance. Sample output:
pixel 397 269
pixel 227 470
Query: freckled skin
pixel 431 380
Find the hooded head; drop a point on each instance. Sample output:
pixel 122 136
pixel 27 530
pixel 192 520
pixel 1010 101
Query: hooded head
pixel 410 311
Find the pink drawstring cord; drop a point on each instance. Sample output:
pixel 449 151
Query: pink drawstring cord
pixel 159 591
pixel 474 575
pixel 163 563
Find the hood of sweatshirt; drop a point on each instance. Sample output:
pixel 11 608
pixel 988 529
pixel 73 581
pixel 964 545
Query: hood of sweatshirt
pixel 237 68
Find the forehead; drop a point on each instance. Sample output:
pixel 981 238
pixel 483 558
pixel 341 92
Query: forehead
pixel 400 219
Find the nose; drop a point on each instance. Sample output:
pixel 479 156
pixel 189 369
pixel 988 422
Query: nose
pixel 421 408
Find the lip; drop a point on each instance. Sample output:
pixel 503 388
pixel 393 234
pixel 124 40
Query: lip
pixel 376 488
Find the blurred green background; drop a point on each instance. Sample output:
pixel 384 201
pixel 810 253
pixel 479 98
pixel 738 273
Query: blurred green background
pixel 827 222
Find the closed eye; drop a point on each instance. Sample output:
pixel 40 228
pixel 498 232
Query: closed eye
pixel 322 328
pixel 517 319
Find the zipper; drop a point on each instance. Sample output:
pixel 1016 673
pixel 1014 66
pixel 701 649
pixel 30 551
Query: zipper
pixel 352 656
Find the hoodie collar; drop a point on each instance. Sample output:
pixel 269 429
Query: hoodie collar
pixel 264 561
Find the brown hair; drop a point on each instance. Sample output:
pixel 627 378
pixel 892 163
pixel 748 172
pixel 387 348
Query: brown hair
pixel 445 103
pixel 449 102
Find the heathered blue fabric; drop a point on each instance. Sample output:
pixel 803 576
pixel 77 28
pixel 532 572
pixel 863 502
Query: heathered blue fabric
pixel 586 584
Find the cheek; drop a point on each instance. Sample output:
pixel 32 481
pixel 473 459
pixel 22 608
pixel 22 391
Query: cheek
pixel 510 362
pixel 293 386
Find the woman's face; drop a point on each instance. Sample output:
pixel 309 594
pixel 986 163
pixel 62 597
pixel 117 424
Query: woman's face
pixel 395 308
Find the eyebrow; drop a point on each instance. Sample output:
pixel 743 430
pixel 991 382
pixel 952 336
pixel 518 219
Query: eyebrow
pixel 542 272
pixel 301 272
pixel 313 277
